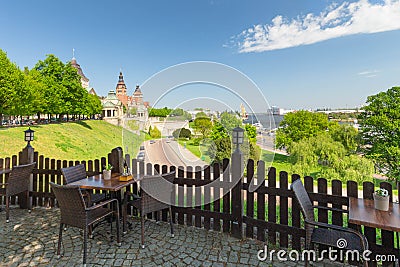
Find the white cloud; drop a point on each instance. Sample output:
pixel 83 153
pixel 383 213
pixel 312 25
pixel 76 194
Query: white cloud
pixel 335 21
pixel 369 73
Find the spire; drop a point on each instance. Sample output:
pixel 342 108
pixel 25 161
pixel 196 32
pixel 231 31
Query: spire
pixel 73 54
pixel 121 77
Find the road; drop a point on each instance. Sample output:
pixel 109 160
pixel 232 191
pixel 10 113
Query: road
pixel 170 153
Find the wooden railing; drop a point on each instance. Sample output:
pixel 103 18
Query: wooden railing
pixel 269 214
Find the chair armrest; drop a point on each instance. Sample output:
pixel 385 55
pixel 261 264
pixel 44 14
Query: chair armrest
pixel 102 204
pixel 340 228
pixel 135 196
pixel 330 208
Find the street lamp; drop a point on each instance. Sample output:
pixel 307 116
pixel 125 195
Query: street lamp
pixel 29 136
pixel 237 137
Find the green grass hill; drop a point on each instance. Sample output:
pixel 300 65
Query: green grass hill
pixel 83 140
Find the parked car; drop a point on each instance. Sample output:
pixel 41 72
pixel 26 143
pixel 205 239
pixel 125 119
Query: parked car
pixel 141 148
pixel 140 156
pixel 152 141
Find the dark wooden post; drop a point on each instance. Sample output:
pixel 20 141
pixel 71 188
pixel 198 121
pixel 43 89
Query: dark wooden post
pixel 26 157
pixel 237 198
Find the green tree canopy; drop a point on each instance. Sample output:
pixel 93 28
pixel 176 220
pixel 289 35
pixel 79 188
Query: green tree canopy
pixel 330 158
pixel 300 125
pixel 11 87
pixel 159 112
pixel 380 131
pixel 182 133
pixel 346 134
pixel 230 121
pixel 203 125
pixel 154 132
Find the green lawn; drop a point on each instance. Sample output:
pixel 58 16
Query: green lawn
pixel 82 140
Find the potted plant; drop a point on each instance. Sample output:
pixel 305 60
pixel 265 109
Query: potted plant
pixel 381 199
pixel 107 172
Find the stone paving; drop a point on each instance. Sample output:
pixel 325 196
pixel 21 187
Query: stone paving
pixel 31 240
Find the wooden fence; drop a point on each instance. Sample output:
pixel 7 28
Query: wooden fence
pixel 270 213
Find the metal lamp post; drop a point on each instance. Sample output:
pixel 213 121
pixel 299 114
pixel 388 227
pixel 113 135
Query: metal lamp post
pixel 237 137
pixel 29 134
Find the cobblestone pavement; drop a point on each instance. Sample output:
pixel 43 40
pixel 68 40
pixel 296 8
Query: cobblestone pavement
pixel 31 240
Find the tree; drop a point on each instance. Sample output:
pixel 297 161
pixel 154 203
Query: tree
pixel 230 121
pixel 159 112
pixel 220 149
pixel 330 157
pixel 11 86
pixel 251 132
pixel 346 134
pixel 182 133
pixel 380 131
pixel 201 114
pixel 203 125
pixel 154 132
pixel 300 125
pixel 218 131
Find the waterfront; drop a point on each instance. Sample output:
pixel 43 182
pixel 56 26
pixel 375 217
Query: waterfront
pixel 267 120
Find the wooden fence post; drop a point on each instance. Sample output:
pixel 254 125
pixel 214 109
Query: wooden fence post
pixel 237 199
pixel 26 157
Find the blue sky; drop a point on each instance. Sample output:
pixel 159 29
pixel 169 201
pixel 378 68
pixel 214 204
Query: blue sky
pixel 302 54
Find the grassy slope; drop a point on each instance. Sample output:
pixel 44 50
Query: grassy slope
pixel 72 141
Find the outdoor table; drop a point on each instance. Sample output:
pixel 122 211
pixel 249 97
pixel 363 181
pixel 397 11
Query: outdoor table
pixel 113 185
pixel 363 212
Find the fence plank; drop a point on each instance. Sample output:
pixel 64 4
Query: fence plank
pixel 283 209
pixel 226 224
pixel 217 202
pixel 296 244
pixel 189 196
pixel 250 199
pixel 261 200
pixel 207 197
pixel 181 215
pixel 197 195
pixel 272 205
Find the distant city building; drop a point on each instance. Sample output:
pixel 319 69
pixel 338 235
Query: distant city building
pixel 84 79
pixel 113 109
pixel 117 101
pixel 121 91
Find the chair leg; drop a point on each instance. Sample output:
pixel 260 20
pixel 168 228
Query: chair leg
pixel 29 202
pixel 118 228
pixel 85 233
pixel 171 221
pixel 124 215
pixel 7 208
pixel 59 240
pixel 142 224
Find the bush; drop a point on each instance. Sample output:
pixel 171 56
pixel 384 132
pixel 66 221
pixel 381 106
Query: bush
pixel 182 133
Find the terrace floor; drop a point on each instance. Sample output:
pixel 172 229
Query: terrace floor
pixel 31 240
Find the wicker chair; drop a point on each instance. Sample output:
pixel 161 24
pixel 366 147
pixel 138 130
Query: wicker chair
pixel 75 213
pixel 76 173
pixel 146 203
pixel 18 182
pixel 323 233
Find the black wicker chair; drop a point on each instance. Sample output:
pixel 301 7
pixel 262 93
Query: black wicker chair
pixel 323 233
pixel 17 182
pixel 75 213
pixel 76 173
pixel 155 185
